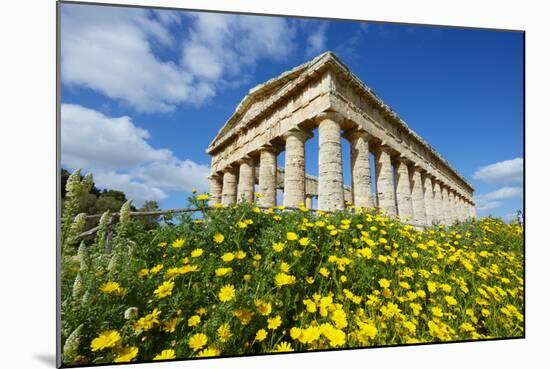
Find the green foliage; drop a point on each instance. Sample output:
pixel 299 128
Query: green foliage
pixel 323 274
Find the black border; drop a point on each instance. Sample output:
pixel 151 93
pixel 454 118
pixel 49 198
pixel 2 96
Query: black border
pixel 59 364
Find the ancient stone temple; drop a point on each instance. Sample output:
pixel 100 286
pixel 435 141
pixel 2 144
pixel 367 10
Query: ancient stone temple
pixel 410 178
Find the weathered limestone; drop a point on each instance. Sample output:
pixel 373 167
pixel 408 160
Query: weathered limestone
pixel 403 190
pixel 267 181
pixel 324 94
pixel 384 181
pixel 438 203
pixel 452 209
pixel 417 196
pixel 309 202
pixel 331 179
pixel 361 182
pixel 456 207
pixel 245 188
pixel 446 217
pixel 229 190
pixel 295 172
pixel 462 206
pixel 429 199
pixel 216 185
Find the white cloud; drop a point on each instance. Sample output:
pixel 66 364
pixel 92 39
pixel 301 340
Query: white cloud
pixel 221 46
pixel 92 140
pixel 507 171
pixel 490 201
pixel 114 51
pixel 488 205
pixel 501 193
pixel 137 191
pixel 109 50
pixel 174 175
pixel 118 154
pixel 317 40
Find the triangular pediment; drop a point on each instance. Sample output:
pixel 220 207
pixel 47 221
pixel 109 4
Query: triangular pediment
pixel 266 94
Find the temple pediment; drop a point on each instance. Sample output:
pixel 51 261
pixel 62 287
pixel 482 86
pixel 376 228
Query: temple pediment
pixel 264 96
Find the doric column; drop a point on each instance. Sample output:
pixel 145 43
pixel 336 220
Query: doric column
pixel 361 181
pixel 229 190
pixel 331 180
pixel 438 203
pixel 458 202
pixel 452 216
pixel 348 196
pixel 295 172
pixel 454 204
pixel 403 190
pixel 473 211
pixel 445 205
pixel 417 196
pixel 245 188
pixel 384 181
pixel 458 210
pixel 457 207
pixel 429 200
pixel 309 202
pixel 216 185
pixel 267 181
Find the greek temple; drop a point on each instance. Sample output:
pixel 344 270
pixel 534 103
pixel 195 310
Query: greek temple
pixel 410 179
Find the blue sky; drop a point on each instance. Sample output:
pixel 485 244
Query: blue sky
pixel 144 92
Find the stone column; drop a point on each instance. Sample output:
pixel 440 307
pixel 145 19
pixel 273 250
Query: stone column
pixel 267 181
pixel 445 205
pixel 403 190
pixel 429 200
pixel 348 196
pixel 309 201
pixel 458 211
pixel 457 207
pixel 454 205
pixel 473 211
pixel 331 180
pixel 245 188
pixel 229 190
pixel 361 182
pixel 216 185
pixel 295 172
pixel 384 181
pixel 451 206
pixel 438 203
pixel 417 196
pixel 458 201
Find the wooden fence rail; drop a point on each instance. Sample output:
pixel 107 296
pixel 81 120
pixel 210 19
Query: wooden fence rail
pixel 112 217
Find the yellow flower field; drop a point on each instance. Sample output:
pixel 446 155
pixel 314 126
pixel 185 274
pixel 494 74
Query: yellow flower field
pixel 279 281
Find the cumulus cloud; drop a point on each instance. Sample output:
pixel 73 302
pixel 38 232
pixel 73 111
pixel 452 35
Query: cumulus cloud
pixel 483 206
pixel 491 200
pixel 92 140
pixel 120 157
pixel 502 172
pixel 137 191
pixel 317 40
pixel 115 51
pixel 501 193
pixel 221 46
pixel 174 175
